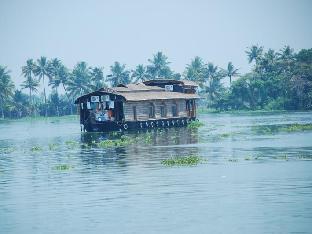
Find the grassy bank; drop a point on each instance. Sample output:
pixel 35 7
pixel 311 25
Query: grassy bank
pixel 203 110
pixel 40 118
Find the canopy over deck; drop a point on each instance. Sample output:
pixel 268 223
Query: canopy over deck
pixel 145 91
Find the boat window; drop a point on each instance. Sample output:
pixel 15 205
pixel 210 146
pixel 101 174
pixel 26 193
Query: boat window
pixel 151 110
pixel 134 113
pixel 163 112
pixel 174 110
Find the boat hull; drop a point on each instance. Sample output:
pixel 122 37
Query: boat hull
pixel 108 126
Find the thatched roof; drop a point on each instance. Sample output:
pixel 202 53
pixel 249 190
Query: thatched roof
pixel 141 92
pixel 154 95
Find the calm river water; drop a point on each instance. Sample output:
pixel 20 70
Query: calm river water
pixel 250 181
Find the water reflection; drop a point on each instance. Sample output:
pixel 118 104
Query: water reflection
pixel 149 146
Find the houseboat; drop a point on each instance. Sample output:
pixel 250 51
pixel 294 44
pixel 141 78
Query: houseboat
pixel 151 104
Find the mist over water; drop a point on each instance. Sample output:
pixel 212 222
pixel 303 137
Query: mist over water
pixel 52 181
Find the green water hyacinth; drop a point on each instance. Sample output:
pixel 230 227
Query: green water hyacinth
pixel 35 148
pixel 189 160
pixel 63 167
pixel 271 129
pixel 195 124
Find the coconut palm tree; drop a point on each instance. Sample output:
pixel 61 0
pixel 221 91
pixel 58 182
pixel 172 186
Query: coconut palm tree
pixel 195 70
pixel 97 77
pixel 231 71
pixel 41 71
pixel 31 82
pixel 254 53
pixel 212 81
pixel 159 67
pixel 64 77
pixel 286 53
pixel 139 74
pixel 120 75
pixel 6 88
pixel 79 81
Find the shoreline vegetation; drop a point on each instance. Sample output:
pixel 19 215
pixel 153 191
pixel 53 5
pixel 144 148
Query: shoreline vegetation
pixel 279 80
pixel 195 124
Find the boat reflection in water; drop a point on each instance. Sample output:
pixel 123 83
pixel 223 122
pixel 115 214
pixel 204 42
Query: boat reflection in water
pixel 147 146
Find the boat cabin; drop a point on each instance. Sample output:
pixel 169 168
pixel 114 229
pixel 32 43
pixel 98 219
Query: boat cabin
pixel 151 104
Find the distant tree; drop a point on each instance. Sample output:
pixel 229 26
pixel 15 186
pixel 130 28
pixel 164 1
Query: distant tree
pixel 231 71
pixel 139 74
pixel 80 80
pixel 286 53
pixel 195 70
pixel 119 74
pixel 254 53
pixel 159 67
pixel 6 88
pixel 176 76
pixel 41 71
pixel 54 67
pixel 97 77
pixel 19 104
pixel 212 82
pixel 31 82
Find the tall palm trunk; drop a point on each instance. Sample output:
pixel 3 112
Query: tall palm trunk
pixel 2 109
pixel 30 102
pixel 71 108
pixel 57 107
pixel 45 98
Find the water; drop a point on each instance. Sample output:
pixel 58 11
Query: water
pixel 259 183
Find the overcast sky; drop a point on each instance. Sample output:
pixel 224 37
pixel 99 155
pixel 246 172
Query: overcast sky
pixel 101 32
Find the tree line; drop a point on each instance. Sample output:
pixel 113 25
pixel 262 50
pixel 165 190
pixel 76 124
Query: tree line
pixel 278 80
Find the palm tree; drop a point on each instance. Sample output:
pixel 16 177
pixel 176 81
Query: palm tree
pixel 139 74
pixel 287 53
pixel 231 71
pixel 42 70
pixel 80 80
pixel 119 74
pixel 212 81
pixel 195 70
pixel 54 70
pixel 30 83
pixel 254 53
pixel 159 67
pixel 97 77
pixel 6 87
pixel 64 77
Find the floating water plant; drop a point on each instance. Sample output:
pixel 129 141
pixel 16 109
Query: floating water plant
pixel 195 125
pixel 305 157
pixel 53 146
pixel 189 160
pixel 123 141
pixel 63 167
pixel 271 129
pixel 283 157
pixel 249 158
pixel 224 135
pixel 148 139
pixel 35 148
pixel 6 150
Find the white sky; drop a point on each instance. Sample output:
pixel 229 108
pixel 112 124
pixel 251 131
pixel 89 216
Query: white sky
pixel 101 32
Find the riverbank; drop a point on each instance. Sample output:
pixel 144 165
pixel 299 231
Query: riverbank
pixel 202 110
pixel 41 118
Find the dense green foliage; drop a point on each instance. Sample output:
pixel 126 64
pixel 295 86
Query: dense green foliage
pixel 278 81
